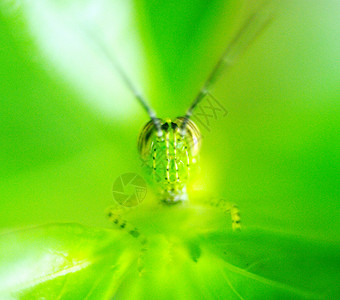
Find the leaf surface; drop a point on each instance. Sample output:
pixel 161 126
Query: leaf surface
pixel 198 259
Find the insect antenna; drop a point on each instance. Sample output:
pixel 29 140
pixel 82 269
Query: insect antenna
pixel 251 28
pixel 114 63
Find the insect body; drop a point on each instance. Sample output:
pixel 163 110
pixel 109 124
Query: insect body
pixel 172 157
pixel 170 148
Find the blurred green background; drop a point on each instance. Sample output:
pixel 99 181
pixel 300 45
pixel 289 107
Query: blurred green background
pixel 69 127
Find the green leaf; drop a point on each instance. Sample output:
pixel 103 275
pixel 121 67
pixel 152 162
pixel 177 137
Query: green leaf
pixel 191 253
pixel 65 261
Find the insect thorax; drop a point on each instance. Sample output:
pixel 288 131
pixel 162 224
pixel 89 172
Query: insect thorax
pixel 170 159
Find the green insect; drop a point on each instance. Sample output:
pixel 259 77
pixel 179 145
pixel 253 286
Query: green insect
pixel 170 148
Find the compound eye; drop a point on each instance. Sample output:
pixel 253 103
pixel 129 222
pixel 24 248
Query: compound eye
pixel 192 134
pixel 165 126
pixel 145 139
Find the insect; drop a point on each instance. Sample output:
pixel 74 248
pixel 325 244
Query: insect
pixel 170 148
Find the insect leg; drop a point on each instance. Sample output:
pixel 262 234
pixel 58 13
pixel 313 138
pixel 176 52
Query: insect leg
pixel 230 209
pixel 235 216
pixel 116 218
